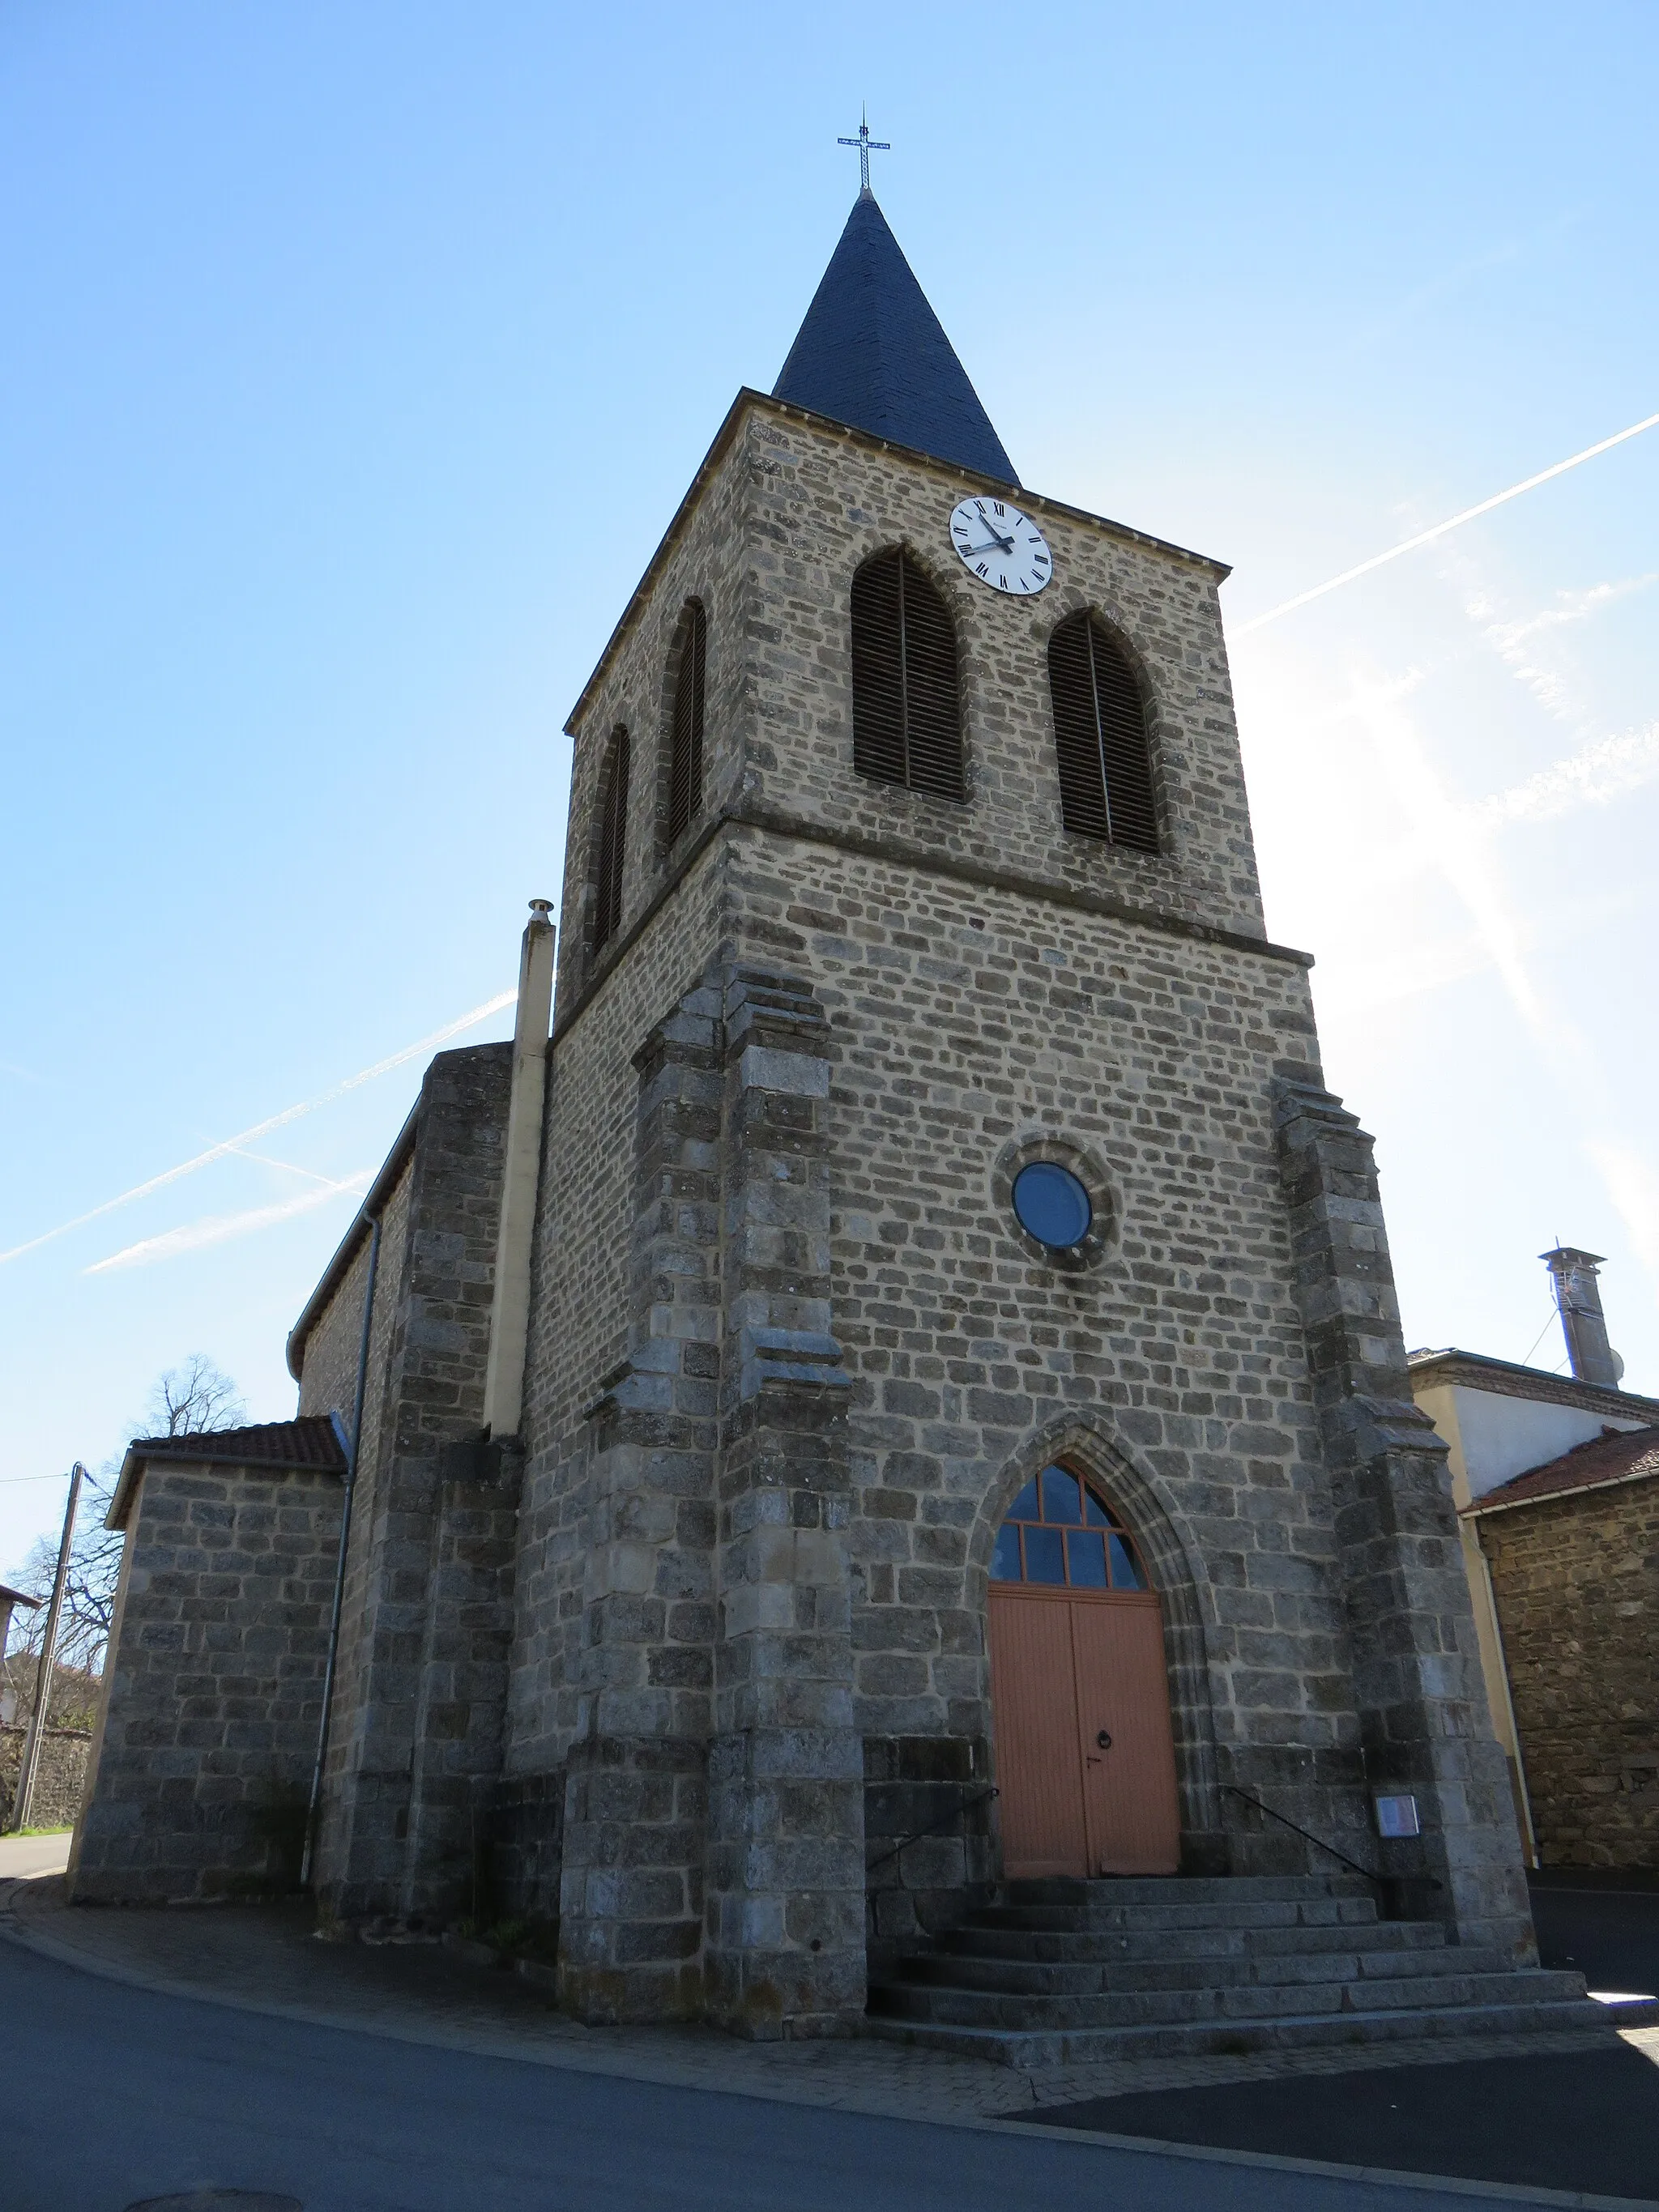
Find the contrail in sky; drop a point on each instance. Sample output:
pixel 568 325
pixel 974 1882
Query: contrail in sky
pixel 1426 536
pixel 245 1136
pixel 218 1228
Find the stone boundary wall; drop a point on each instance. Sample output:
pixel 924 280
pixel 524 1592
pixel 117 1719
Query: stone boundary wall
pixel 60 1779
pixel 1574 1579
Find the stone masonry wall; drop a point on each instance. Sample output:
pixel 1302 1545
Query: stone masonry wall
pixel 328 1378
pixel 1425 1726
pixel 329 1382
pixel 967 1023
pixel 215 1679
pixel 398 1834
pixel 1577 1581
pixel 822 503
pixel 709 560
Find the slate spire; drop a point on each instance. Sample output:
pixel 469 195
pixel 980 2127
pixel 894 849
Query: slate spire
pixel 871 352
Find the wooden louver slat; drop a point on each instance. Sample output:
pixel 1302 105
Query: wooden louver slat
pixel 1102 746
pixel 907 704
pixel 613 838
pixel 685 737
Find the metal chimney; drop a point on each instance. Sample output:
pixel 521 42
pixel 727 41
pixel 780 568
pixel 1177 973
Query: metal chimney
pixel 1578 1300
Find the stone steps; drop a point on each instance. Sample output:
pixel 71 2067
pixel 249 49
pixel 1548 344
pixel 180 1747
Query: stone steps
pixel 960 2005
pixel 1045 1978
pixel 1057 1973
pixel 1206 1890
pixel 974 1940
pixel 1173 1912
pixel 1092 2046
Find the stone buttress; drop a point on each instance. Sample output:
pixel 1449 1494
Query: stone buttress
pixel 712 1859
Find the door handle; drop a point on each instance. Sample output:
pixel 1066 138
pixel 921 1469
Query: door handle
pixel 1104 1741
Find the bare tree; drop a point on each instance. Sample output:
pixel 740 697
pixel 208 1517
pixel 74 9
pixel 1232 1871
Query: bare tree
pixel 188 1400
pixel 193 1398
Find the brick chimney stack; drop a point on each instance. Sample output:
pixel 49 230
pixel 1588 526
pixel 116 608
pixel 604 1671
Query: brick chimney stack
pixel 1578 1298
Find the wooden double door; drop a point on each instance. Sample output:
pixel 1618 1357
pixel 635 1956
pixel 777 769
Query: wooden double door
pixel 1085 1758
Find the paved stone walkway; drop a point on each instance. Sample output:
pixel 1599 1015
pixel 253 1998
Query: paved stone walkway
pixel 264 1959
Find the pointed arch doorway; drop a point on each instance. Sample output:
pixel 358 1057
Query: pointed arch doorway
pixel 1079 1691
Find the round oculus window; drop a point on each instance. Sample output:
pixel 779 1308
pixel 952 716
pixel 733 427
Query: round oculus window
pixel 1052 1204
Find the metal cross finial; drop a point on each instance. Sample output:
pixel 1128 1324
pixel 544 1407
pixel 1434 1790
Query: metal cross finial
pixel 866 146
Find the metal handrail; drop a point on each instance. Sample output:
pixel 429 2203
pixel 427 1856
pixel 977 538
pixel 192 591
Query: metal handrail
pixel 1369 1873
pixel 957 1812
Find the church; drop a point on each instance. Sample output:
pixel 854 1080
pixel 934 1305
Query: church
pixel 879 1423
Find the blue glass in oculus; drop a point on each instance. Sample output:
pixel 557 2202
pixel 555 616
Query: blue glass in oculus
pixel 1052 1204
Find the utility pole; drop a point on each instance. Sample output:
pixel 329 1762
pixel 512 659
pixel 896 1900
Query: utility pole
pixel 20 1809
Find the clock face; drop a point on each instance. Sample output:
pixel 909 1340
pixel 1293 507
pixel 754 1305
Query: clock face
pixel 999 545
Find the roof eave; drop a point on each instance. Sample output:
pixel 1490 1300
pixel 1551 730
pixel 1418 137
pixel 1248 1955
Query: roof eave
pixel 747 399
pixel 375 1198
pixel 126 1484
pixel 138 1460
pixel 1556 1388
pixel 1493 1503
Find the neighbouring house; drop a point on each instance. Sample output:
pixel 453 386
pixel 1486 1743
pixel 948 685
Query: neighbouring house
pixel 902 1390
pixel 1553 1476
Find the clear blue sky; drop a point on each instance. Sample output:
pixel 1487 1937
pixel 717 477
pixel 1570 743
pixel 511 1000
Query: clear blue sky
pixel 357 355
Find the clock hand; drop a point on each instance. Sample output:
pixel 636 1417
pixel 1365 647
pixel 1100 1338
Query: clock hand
pixel 1006 544
pixel 996 545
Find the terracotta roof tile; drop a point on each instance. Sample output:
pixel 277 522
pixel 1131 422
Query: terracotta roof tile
pixel 313 1442
pixel 1616 1456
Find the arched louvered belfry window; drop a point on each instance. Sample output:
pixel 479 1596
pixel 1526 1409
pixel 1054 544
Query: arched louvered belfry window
pixel 611 843
pixel 1102 744
pixel 907 704
pixel 685 729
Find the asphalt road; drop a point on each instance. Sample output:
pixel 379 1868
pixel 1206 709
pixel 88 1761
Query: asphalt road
pixel 112 2095
pixel 1571 2120
pixel 1609 1933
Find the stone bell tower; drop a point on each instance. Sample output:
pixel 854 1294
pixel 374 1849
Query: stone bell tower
pixel 902 1390
pixel 887 881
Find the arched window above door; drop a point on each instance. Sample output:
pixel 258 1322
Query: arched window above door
pixel 1058 1533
